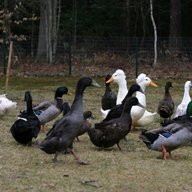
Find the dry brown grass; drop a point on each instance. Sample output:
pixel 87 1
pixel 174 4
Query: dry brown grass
pixel 135 168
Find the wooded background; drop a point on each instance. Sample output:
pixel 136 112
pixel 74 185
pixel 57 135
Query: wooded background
pixel 55 31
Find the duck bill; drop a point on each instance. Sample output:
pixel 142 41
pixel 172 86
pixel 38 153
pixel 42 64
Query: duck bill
pixel 153 84
pixel 110 80
pixel 94 83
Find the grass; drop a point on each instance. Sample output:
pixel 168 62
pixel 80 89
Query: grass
pixel 135 168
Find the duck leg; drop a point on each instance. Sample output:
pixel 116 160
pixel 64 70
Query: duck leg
pixel 77 139
pixel 164 151
pixel 77 158
pixel 119 146
pixel 55 157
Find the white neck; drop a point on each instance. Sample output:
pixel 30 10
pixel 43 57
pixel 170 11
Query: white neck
pixel 186 95
pixel 122 92
pixel 141 97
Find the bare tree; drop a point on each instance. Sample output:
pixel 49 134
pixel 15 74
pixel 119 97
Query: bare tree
pixel 155 33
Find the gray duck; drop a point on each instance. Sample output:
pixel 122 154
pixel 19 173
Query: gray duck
pixel 166 105
pixel 168 138
pixel 47 111
pixel 61 137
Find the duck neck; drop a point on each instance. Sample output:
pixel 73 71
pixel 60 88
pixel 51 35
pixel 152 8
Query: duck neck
pixel 59 103
pixel 78 101
pixel 107 88
pixel 122 92
pixel 29 105
pixel 186 95
pixel 167 92
pixel 141 98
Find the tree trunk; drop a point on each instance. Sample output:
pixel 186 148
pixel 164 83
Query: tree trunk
pixel 48 30
pixel 155 34
pixel 175 25
pixel 42 45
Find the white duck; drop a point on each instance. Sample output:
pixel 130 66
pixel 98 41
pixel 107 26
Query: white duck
pixel 118 77
pixel 182 107
pixel 6 105
pixel 140 116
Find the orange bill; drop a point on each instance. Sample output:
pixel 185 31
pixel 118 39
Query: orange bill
pixel 153 84
pixel 110 80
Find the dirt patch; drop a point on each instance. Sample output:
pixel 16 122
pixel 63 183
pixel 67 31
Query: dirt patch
pixel 100 67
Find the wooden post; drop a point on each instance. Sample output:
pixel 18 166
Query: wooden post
pixel 8 66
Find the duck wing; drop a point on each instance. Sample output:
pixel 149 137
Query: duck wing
pixel 49 114
pixel 42 106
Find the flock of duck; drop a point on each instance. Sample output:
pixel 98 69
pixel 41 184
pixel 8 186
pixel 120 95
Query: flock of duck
pixel 121 113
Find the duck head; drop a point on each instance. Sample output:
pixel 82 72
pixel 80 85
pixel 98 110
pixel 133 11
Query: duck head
pixel 87 81
pixel 117 77
pixel 144 81
pixel 60 91
pixel 168 85
pixel 187 84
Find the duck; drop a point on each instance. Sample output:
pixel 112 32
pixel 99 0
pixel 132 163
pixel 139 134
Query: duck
pixel 116 111
pixel 6 105
pixel 46 111
pixel 166 105
pixel 182 118
pixel 118 77
pixel 146 119
pixel 27 126
pixel 168 138
pixel 61 137
pixel 182 107
pixel 140 116
pixel 108 133
pixel 109 98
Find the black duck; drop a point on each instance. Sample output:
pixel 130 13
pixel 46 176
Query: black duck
pixel 27 126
